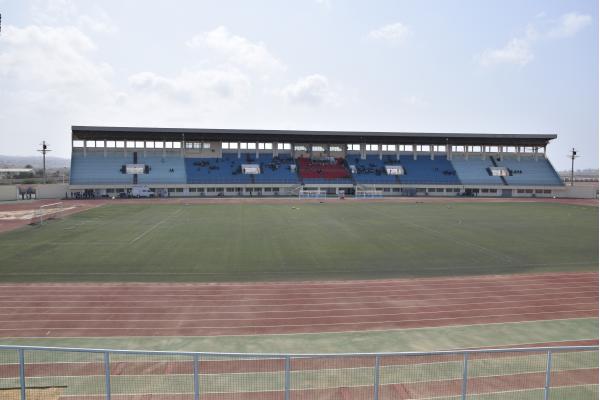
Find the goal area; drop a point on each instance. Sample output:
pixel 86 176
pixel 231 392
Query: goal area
pixel 312 194
pixel 48 212
pixel 368 194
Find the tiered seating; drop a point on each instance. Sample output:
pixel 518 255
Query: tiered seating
pixel 276 169
pixel 316 172
pixel 474 171
pixel 424 170
pixel 372 169
pixel 530 172
pixel 95 168
pixel 227 169
pixel 167 169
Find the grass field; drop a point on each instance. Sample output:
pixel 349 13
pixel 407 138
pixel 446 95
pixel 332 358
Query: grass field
pixel 419 339
pixel 305 241
pixel 258 242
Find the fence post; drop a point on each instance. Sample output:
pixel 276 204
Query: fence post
pixel 548 369
pixel 465 376
pixel 107 374
pixel 376 378
pixel 287 378
pixel 22 373
pixel 196 379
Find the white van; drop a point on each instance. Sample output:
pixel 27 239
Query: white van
pixel 141 191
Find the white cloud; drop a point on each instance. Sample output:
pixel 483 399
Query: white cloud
pixel 237 50
pixel 519 50
pixel 67 13
pixel 312 90
pixel 328 4
pixel 570 24
pixel 100 23
pixel 51 57
pixel 396 33
pixel 516 51
pixel 195 85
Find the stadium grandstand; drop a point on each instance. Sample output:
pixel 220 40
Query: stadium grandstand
pixel 112 161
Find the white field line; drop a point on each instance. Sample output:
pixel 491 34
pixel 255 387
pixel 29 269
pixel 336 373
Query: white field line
pixel 280 272
pixel 458 378
pixel 242 360
pixel 159 299
pixel 422 290
pixel 428 302
pixel 370 314
pixel 153 227
pixel 494 278
pixel 126 291
pixel 521 356
pixel 506 392
pixel 262 335
pixel 403 321
pixel 419 282
pixel 561 303
pixel 447 237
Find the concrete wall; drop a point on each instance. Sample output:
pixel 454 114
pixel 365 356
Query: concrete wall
pixel 8 192
pixel 52 191
pixel 581 191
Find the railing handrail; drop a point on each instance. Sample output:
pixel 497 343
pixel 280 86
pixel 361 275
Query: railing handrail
pixel 304 355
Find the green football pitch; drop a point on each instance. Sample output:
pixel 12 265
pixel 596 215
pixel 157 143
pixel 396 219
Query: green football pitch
pixel 259 242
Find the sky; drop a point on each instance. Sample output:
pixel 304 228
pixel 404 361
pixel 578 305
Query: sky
pixel 494 66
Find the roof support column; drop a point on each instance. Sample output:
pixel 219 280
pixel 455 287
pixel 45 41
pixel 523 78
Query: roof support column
pixel 275 150
pixel 397 148
pixel 363 151
pixel 483 152
pixel 379 147
pixel 239 150
pixel 256 144
pixel 431 153
pixel 105 151
pixel 519 153
pixel 182 145
pixel 414 151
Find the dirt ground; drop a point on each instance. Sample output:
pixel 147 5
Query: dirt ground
pixel 32 394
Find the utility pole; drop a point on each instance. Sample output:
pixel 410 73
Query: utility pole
pixel 573 156
pixel 44 150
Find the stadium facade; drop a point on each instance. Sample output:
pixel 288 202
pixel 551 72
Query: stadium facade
pixel 114 161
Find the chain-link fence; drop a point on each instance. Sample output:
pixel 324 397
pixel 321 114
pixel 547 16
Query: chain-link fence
pixel 95 374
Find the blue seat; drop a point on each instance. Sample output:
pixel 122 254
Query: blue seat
pixel 424 170
pixel 530 172
pixel 474 171
pixel 96 168
pixel 372 170
pixel 276 170
pixel 169 168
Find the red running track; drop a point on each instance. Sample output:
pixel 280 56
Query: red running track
pixel 135 309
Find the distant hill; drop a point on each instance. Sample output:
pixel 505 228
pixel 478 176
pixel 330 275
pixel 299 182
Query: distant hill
pixel 35 161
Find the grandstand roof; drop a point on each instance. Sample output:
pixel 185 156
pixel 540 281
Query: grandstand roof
pixel 304 136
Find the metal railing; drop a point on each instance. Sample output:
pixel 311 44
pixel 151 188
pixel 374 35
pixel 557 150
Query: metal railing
pixel 569 372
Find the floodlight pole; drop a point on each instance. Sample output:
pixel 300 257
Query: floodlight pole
pixel 44 150
pixel 573 156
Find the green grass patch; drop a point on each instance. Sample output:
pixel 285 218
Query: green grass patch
pixel 419 339
pixel 258 242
